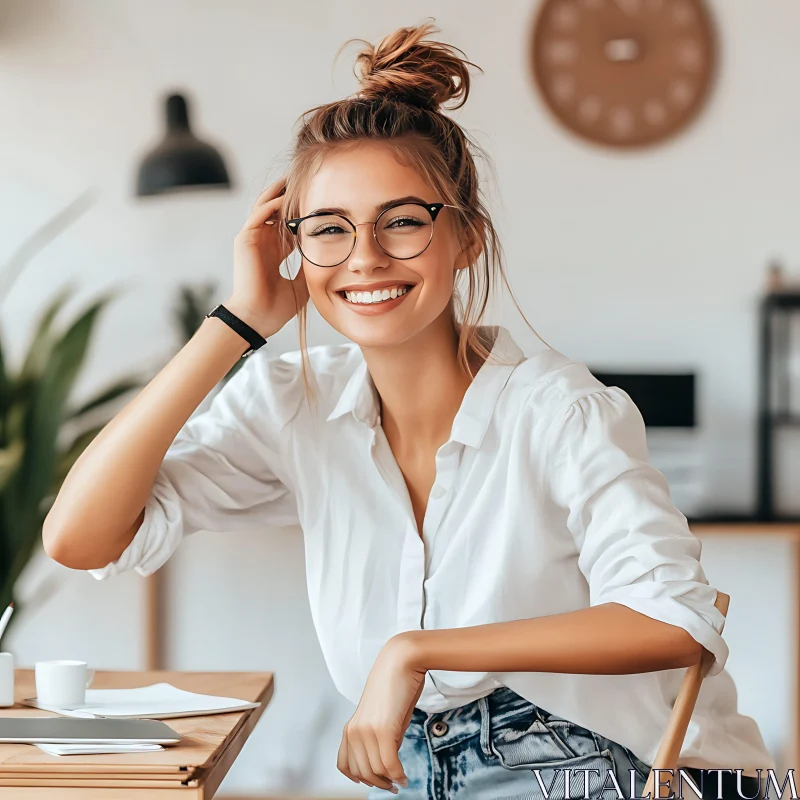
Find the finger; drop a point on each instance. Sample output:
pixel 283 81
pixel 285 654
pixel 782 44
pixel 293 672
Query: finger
pixel 354 768
pixel 365 771
pixel 271 191
pixel 342 763
pixel 393 767
pixel 260 214
pixel 348 757
pixel 376 763
pixel 268 198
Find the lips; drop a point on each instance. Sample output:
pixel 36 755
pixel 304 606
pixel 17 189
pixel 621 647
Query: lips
pixel 370 307
pixel 378 295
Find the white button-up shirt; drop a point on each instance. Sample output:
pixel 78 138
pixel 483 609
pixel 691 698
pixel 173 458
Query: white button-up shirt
pixel 545 501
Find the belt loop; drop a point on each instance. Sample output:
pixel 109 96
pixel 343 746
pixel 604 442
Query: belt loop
pixel 483 705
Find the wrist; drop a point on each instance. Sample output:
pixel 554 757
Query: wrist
pixel 245 313
pixel 230 344
pixel 240 326
pixel 408 648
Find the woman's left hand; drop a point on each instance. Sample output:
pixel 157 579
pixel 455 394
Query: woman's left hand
pixel 372 738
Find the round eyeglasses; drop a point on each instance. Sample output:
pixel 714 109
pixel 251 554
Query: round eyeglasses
pixel 402 231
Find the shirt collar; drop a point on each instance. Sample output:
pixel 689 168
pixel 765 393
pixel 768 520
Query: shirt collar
pixel 472 419
pixel 360 397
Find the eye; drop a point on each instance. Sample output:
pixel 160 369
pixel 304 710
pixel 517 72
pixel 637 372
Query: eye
pixel 327 228
pixel 404 222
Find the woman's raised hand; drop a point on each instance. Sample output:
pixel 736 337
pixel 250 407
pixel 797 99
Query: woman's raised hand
pixel 261 296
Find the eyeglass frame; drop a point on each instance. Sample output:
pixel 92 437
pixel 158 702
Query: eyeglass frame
pixel 433 209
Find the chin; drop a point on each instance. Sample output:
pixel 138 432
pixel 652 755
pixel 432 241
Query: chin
pixel 374 334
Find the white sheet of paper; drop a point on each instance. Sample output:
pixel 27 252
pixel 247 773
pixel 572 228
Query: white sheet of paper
pixel 90 749
pixel 157 701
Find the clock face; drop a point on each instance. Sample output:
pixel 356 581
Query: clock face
pixel 623 73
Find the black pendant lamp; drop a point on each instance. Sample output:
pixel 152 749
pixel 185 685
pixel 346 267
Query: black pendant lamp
pixel 181 161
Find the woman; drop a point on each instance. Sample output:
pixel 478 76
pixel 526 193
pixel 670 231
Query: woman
pixel 497 575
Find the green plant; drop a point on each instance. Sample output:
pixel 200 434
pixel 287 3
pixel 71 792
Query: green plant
pixel 41 435
pixel 34 460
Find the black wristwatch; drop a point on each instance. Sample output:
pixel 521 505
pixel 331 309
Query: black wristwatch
pixel 253 338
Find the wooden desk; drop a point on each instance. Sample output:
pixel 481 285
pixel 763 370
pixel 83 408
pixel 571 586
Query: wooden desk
pixel 192 769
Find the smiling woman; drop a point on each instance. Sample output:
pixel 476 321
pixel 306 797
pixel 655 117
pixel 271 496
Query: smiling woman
pixel 498 577
pixel 414 245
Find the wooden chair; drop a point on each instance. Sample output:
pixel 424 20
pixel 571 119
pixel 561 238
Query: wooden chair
pixel 678 723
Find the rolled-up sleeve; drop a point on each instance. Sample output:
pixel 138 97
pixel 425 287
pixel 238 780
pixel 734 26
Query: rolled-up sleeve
pixel 635 546
pixel 220 474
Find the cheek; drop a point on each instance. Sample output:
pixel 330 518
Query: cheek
pixel 436 270
pixel 318 281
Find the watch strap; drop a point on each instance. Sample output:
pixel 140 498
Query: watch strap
pixel 252 337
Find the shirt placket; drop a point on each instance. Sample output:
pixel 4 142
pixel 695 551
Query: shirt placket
pixel 416 552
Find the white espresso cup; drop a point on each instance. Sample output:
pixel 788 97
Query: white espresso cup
pixel 62 683
pixel 6 679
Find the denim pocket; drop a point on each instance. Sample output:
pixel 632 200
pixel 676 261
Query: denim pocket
pixel 548 741
pixel 557 776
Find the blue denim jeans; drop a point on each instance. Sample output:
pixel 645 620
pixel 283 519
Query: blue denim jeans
pixel 493 748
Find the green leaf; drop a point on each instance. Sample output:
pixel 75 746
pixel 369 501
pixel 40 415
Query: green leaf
pixel 10 459
pixel 34 478
pixel 73 452
pixel 6 391
pixel 112 392
pixel 42 343
pixel 16 419
pixel 193 305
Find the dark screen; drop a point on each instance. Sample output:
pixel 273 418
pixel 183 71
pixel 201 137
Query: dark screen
pixel 665 400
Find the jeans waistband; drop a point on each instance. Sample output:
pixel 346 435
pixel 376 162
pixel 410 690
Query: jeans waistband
pixel 464 721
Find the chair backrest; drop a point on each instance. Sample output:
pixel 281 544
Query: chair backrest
pixel 678 723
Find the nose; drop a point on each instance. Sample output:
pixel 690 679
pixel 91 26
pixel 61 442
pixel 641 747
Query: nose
pixel 366 255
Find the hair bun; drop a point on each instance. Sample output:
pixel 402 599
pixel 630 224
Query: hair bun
pixel 405 68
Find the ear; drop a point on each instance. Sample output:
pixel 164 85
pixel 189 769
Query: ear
pixel 472 248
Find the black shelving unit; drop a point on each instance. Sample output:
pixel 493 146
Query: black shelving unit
pixel 774 396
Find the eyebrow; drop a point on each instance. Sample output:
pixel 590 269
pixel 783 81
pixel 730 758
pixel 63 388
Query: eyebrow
pixel 410 198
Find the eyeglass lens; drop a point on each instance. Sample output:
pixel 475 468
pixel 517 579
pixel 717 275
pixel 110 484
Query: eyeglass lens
pixel 402 231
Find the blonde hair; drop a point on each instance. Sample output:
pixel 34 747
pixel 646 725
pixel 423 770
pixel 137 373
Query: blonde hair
pixel 404 81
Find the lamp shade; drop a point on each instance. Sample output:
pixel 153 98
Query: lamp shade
pixel 180 161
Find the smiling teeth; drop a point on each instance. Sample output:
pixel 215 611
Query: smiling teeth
pixel 378 296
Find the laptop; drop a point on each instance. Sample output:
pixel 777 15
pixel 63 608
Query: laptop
pixel 67 730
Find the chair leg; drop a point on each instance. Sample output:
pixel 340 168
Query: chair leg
pixel 678 723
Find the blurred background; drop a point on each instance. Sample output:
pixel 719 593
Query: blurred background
pixel 646 194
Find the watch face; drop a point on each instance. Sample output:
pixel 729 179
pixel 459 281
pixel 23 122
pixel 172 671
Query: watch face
pixel 623 72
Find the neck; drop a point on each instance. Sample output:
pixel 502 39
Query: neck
pixel 420 384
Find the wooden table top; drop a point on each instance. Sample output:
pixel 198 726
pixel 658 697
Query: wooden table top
pixel 207 749
pixel 787 530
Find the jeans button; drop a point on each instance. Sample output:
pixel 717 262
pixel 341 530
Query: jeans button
pixel 439 728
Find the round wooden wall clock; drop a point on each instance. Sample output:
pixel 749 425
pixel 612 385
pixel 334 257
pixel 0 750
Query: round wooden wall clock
pixel 624 73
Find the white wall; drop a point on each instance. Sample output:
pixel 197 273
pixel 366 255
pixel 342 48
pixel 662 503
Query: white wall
pixel 647 259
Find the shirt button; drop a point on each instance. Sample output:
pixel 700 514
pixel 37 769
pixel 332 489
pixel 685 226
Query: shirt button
pixel 439 728
pixel 438 491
